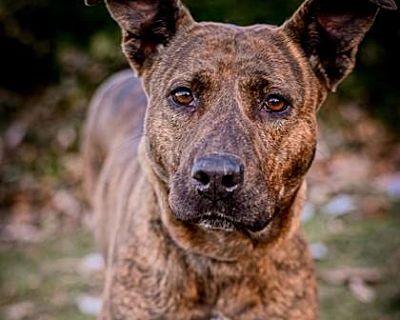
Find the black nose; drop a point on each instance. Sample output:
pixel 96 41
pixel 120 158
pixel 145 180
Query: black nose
pixel 217 176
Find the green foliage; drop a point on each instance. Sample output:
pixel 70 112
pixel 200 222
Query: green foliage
pixel 47 277
pixel 34 34
pixel 362 243
pixel 243 12
pixel 49 271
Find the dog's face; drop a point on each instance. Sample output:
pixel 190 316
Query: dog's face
pixel 237 108
pixel 231 123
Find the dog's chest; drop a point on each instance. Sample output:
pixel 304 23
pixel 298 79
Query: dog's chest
pixel 219 317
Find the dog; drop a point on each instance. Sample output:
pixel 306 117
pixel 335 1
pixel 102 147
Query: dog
pixel 195 168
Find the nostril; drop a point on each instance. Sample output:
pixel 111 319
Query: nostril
pixel 229 182
pixel 217 176
pixel 202 177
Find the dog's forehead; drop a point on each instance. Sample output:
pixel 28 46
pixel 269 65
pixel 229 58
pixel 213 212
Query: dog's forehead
pixel 223 52
pixel 214 40
pixel 243 50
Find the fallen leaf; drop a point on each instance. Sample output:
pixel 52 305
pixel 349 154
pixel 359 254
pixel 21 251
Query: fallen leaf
pixel 361 291
pixel 344 275
pixel 19 311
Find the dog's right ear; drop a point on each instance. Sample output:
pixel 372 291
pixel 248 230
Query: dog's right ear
pixel 147 26
pixel 92 2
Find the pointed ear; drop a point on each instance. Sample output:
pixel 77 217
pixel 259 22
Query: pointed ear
pixel 92 2
pixel 330 31
pixel 146 26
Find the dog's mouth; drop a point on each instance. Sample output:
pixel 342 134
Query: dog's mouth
pixel 221 222
pixel 218 224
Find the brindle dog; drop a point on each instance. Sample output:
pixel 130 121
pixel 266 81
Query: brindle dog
pixel 198 213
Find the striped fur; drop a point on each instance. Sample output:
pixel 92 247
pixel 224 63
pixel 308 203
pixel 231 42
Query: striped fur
pixel 139 150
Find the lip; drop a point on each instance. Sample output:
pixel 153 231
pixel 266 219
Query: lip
pixel 219 222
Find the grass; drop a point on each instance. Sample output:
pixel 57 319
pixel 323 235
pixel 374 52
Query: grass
pixel 46 274
pixel 367 242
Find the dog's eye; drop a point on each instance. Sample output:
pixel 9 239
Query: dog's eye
pixel 275 103
pixel 182 97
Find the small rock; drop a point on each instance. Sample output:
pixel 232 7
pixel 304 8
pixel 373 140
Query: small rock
pixel 19 311
pixel 318 250
pixel 89 305
pixel 340 206
pixel 308 213
pixel 391 185
pixel 92 263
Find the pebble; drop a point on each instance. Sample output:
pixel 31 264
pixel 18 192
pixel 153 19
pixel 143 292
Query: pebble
pixel 89 305
pixel 308 213
pixel 319 251
pixel 340 206
pixel 393 186
pixel 93 262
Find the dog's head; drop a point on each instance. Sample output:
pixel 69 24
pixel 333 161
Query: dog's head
pixel 231 123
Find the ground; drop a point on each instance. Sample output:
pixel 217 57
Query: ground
pixel 48 280
pixel 48 269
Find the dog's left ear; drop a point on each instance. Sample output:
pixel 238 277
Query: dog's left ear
pixel 330 32
pixel 92 2
pixel 146 26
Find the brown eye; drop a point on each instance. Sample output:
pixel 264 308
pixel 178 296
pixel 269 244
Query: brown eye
pixel 276 103
pixel 182 97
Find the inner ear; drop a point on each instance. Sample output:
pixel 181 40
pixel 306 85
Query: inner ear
pixel 329 32
pixel 146 25
pixel 345 23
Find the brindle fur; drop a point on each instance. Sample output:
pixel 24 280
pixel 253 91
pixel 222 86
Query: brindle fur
pixel 161 264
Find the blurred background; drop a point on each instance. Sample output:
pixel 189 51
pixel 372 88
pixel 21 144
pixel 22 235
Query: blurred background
pixel 53 56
